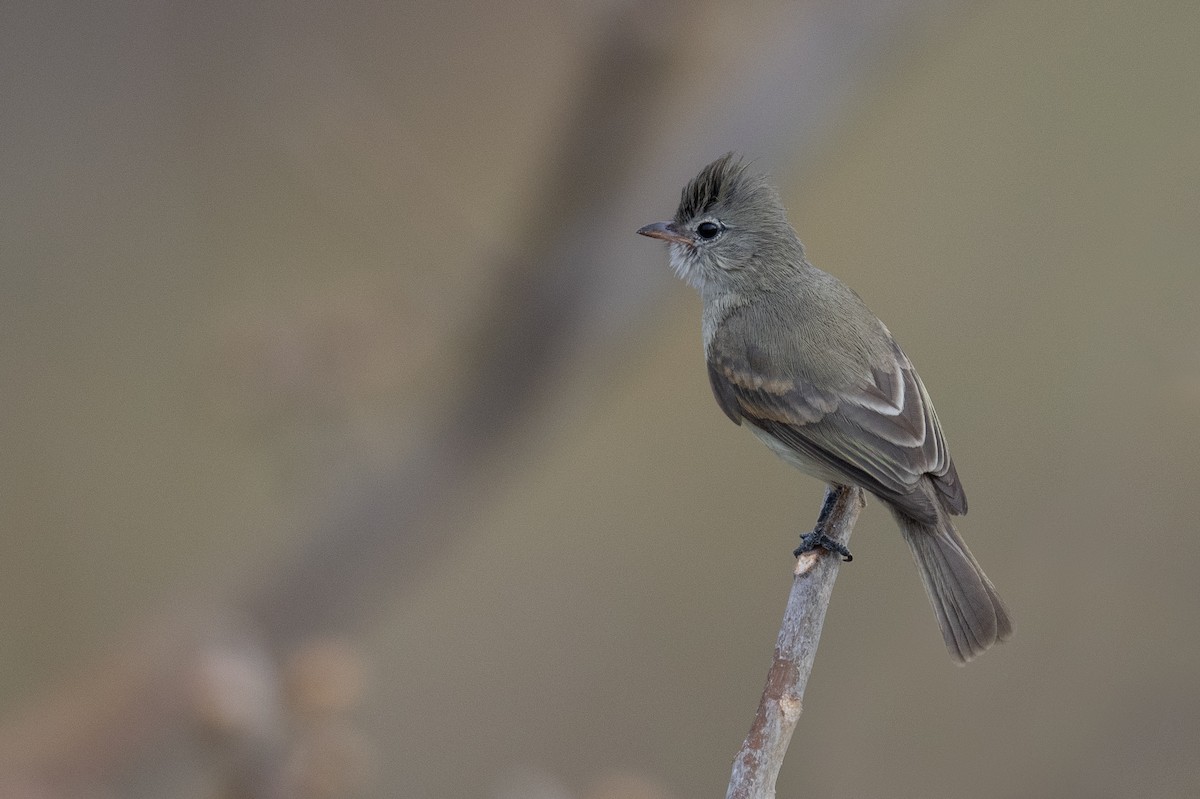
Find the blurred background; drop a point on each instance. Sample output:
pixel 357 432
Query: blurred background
pixel 353 444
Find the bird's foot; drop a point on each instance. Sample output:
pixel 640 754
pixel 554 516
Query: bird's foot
pixel 818 540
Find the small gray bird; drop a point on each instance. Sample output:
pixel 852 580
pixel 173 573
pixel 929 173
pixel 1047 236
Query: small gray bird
pixel 818 378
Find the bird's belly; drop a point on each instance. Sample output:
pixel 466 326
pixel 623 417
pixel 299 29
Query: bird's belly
pixel 795 459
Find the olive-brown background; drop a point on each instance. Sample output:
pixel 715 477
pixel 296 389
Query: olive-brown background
pixel 238 253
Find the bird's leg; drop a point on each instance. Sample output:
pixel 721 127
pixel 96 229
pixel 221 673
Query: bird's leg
pixel 819 538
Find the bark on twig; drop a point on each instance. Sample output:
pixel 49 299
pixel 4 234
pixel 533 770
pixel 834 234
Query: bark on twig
pixel 757 764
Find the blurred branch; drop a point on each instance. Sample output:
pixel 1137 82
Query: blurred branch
pixel 354 558
pixel 757 764
pixel 526 335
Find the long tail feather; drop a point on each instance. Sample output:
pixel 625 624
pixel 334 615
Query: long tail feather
pixel 968 608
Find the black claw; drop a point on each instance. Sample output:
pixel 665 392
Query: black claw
pixel 818 540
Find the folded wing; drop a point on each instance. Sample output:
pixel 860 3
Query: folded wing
pixel 880 433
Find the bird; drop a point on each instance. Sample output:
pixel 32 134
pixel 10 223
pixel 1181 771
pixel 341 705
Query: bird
pixel 797 357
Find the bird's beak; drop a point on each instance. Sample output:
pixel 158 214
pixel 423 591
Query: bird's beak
pixel 665 231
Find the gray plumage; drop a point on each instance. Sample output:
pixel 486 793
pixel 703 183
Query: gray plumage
pixel 820 380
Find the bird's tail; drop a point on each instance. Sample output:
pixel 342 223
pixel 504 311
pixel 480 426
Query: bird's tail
pixel 971 614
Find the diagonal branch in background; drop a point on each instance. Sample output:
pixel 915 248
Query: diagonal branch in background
pixel 529 330
pixel 756 767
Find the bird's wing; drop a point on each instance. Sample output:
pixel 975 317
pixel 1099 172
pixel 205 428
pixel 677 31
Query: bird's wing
pixel 880 433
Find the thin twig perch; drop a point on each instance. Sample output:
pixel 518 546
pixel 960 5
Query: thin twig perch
pixel 757 764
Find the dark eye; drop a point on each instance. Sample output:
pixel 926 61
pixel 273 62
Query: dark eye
pixel 709 230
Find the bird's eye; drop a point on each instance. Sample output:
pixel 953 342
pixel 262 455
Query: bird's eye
pixel 709 230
